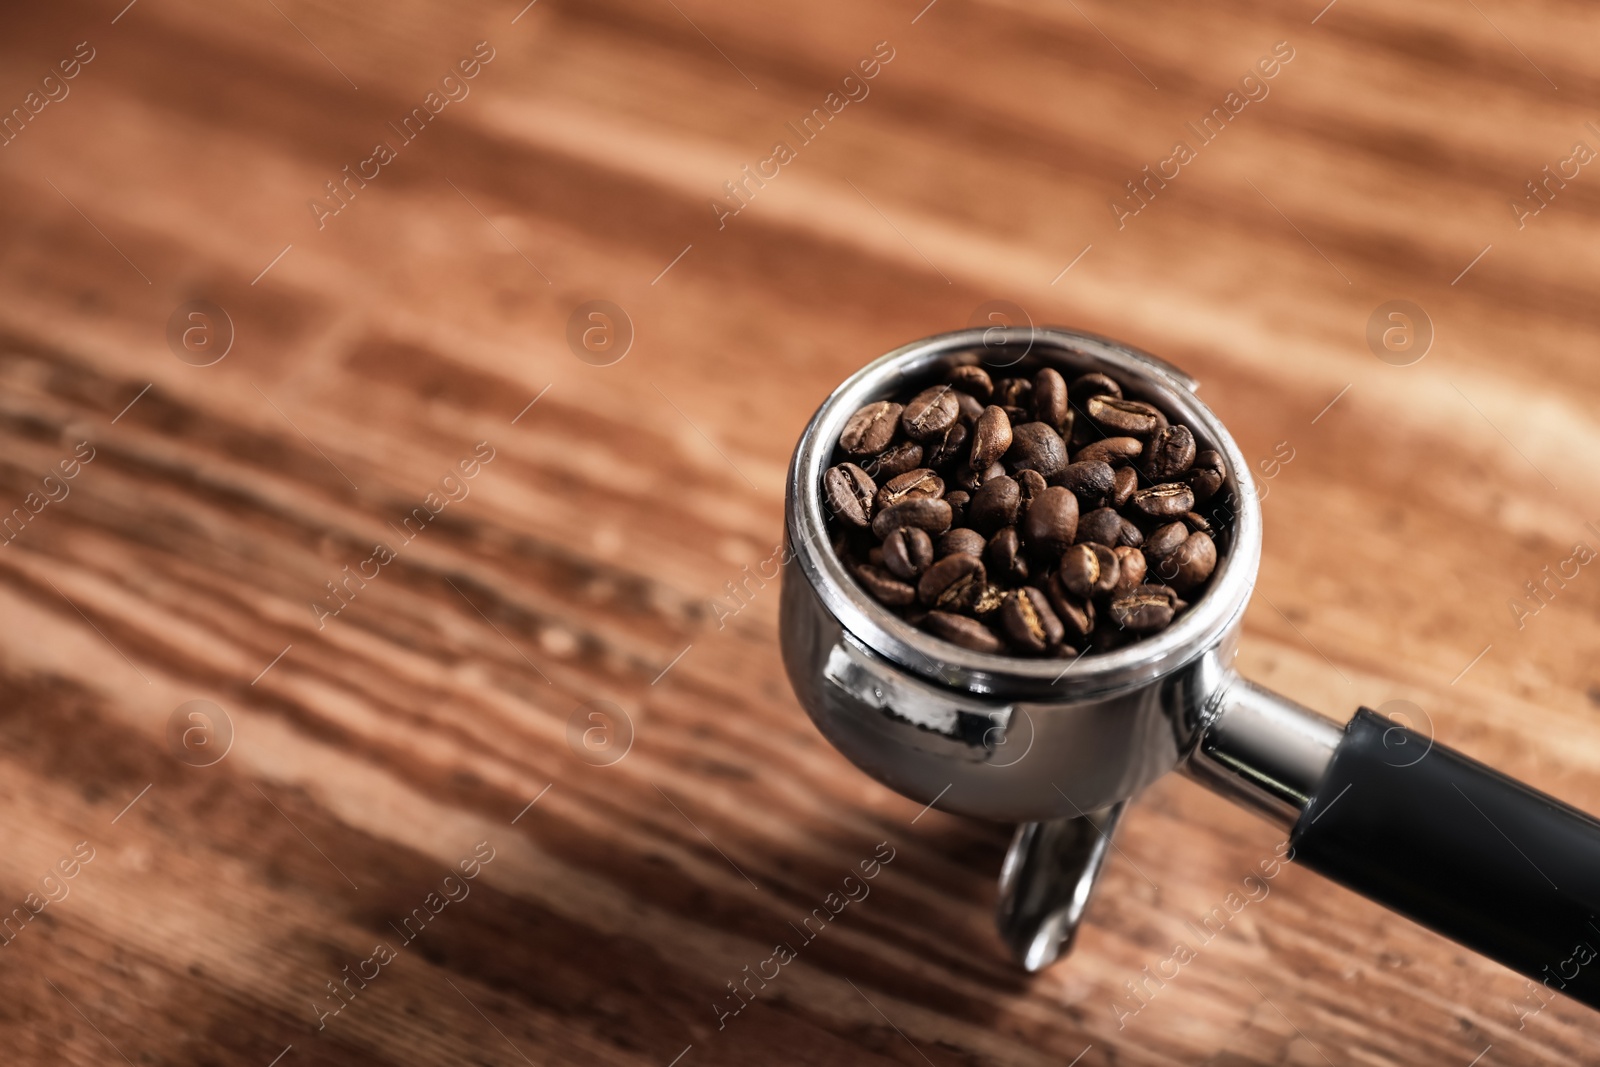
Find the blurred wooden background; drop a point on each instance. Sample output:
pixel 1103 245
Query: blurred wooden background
pixel 371 355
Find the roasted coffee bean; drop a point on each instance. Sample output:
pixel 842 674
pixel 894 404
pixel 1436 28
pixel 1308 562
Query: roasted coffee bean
pixel 1017 416
pixel 1191 564
pixel 1164 541
pixel 1170 453
pixel 995 504
pixel 1162 501
pixel 1144 608
pixel 849 492
pixel 947 577
pixel 1209 486
pixel 1087 385
pixel 960 630
pixel 970 407
pixel 1051 522
pixel 870 429
pixel 1109 638
pixel 920 484
pixel 925 513
pixel 1207 475
pixel 1028 622
pixel 1083 433
pixel 1130 535
pixel 1050 403
pixel 1131 568
pixel 991 436
pixel 1127 483
pixel 948 446
pixel 1088 569
pixel 1075 613
pixel 875 555
pixel 884 587
pixel 972 380
pixel 1091 481
pixel 965 597
pixel 1112 450
pixel 958 500
pixel 1116 415
pixel 907 552
pixel 930 413
pixel 973 480
pixel 960 540
pixel 1197 521
pixel 966 478
pixel 1012 393
pixel 1036 447
pixel 983 603
pixel 1102 526
pixel 896 459
pixel 1031 484
pixel 1003 557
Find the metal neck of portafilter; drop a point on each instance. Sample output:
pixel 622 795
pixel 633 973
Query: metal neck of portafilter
pixel 1263 751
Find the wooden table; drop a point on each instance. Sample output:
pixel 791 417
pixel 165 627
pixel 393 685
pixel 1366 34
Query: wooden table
pixel 201 551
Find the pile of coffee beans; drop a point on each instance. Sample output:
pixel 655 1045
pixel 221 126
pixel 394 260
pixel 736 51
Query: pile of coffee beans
pixel 1027 515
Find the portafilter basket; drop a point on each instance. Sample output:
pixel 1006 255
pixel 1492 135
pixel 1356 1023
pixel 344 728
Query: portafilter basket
pixel 1060 746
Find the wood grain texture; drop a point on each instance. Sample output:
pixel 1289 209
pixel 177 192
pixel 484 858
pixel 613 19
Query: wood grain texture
pixel 380 349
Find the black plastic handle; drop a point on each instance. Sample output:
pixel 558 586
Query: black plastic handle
pixel 1462 849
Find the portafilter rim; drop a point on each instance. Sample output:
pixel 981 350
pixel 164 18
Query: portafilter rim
pixel 1205 623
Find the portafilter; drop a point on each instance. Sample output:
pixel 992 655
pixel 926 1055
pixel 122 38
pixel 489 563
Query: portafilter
pixel 1061 746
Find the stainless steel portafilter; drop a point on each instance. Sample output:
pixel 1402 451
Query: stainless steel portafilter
pixel 1061 746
